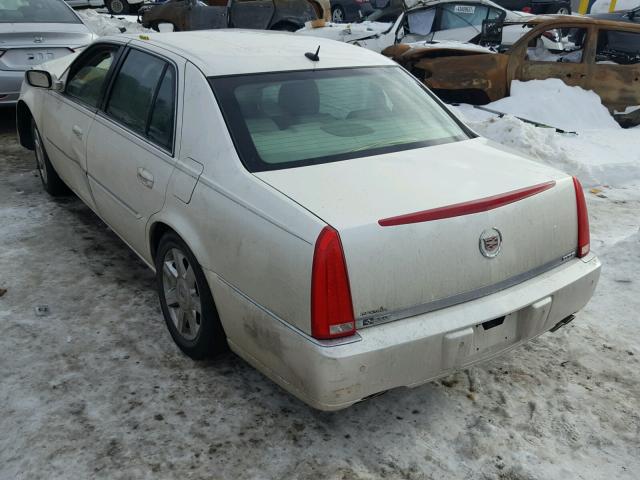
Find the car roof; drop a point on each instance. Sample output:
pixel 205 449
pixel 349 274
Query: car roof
pixel 235 51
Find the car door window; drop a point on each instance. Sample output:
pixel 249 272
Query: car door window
pixel 420 22
pixel 619 47
pixel 564 45
pixel 160 129
pixel 143 97
pixel 457 15
pixel 134 88
pixel 87 77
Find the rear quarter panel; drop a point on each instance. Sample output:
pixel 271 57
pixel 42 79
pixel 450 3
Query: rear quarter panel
pixel 245 232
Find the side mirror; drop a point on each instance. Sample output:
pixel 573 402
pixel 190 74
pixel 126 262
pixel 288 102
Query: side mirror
pixel 39 78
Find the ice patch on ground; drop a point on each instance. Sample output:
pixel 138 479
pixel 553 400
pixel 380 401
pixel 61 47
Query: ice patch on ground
pixel 105 24
pixel 601 153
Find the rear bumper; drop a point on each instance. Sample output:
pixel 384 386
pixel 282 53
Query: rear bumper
pixel 10 85
pixel 404 353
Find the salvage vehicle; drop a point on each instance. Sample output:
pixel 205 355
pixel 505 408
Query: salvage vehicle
pixel 123 7
pixel 185 15
pixel 349 10
pixel 538 7
pixel 33 32
pixel 421 22
pixel 312 206
pixel 598 55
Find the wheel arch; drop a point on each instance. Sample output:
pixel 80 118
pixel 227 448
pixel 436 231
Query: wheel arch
pixel 160 226
pixel 286 25
pixel 24 117
pixel 156 232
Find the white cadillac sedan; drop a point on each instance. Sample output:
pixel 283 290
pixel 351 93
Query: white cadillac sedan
pixel 319 212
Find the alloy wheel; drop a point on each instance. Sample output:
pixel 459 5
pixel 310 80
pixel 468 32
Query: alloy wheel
pixel 337 16
pixel 181 294
pixel 117 6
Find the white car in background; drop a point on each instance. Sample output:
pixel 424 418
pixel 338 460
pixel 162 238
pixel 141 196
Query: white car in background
pixel 116 7
pixel 421 22
pixel 318 211
pixel 33 32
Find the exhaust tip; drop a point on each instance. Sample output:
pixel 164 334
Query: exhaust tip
pixel 563 322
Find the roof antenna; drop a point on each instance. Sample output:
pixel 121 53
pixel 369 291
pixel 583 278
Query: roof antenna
pixel 313 56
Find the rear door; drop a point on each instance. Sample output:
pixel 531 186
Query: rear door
pixel 558 51
pixel 131 146
pixel 616 70
pixel 68 116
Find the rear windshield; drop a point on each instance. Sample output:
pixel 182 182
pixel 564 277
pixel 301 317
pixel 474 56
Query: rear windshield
pixel 290 119
pixel 36 11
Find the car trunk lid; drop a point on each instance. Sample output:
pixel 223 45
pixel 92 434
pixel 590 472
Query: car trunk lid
pixel 25 45
pixel 398 267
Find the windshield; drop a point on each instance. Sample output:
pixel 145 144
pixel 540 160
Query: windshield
pixel 291 119
pixel 36 11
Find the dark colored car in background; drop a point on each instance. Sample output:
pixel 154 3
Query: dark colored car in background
pixel 184 15
pixel 632 16
pixel 350 10
pixel 537 7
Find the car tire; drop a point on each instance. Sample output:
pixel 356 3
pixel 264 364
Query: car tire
pixel 186 300
pixel 51 181
pixel 337 14
pixel 118 7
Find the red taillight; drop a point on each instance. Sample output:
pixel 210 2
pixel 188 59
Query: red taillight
pixel 331 307
pixel 583 220
pixel 526 9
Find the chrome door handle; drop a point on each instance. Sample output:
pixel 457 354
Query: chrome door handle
pixel 77 131
pixel 145 177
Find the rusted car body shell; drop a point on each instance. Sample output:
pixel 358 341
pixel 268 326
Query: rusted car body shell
pixel 489 75
pixel 187 15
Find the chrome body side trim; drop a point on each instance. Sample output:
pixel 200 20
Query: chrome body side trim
pixel 386 317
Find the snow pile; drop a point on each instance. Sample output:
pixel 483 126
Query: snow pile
pixel 601 153
pixel 105 24
pixel 554 103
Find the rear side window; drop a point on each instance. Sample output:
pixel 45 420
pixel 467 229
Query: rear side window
pixel 161 124
pixel 88 75
pixel 617 46
pixel 143 97
pixel 36 11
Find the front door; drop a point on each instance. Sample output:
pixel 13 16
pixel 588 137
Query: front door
pixel 68 116
pixel 130 149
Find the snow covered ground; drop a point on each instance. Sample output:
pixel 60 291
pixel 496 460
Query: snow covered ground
pixel 96 388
